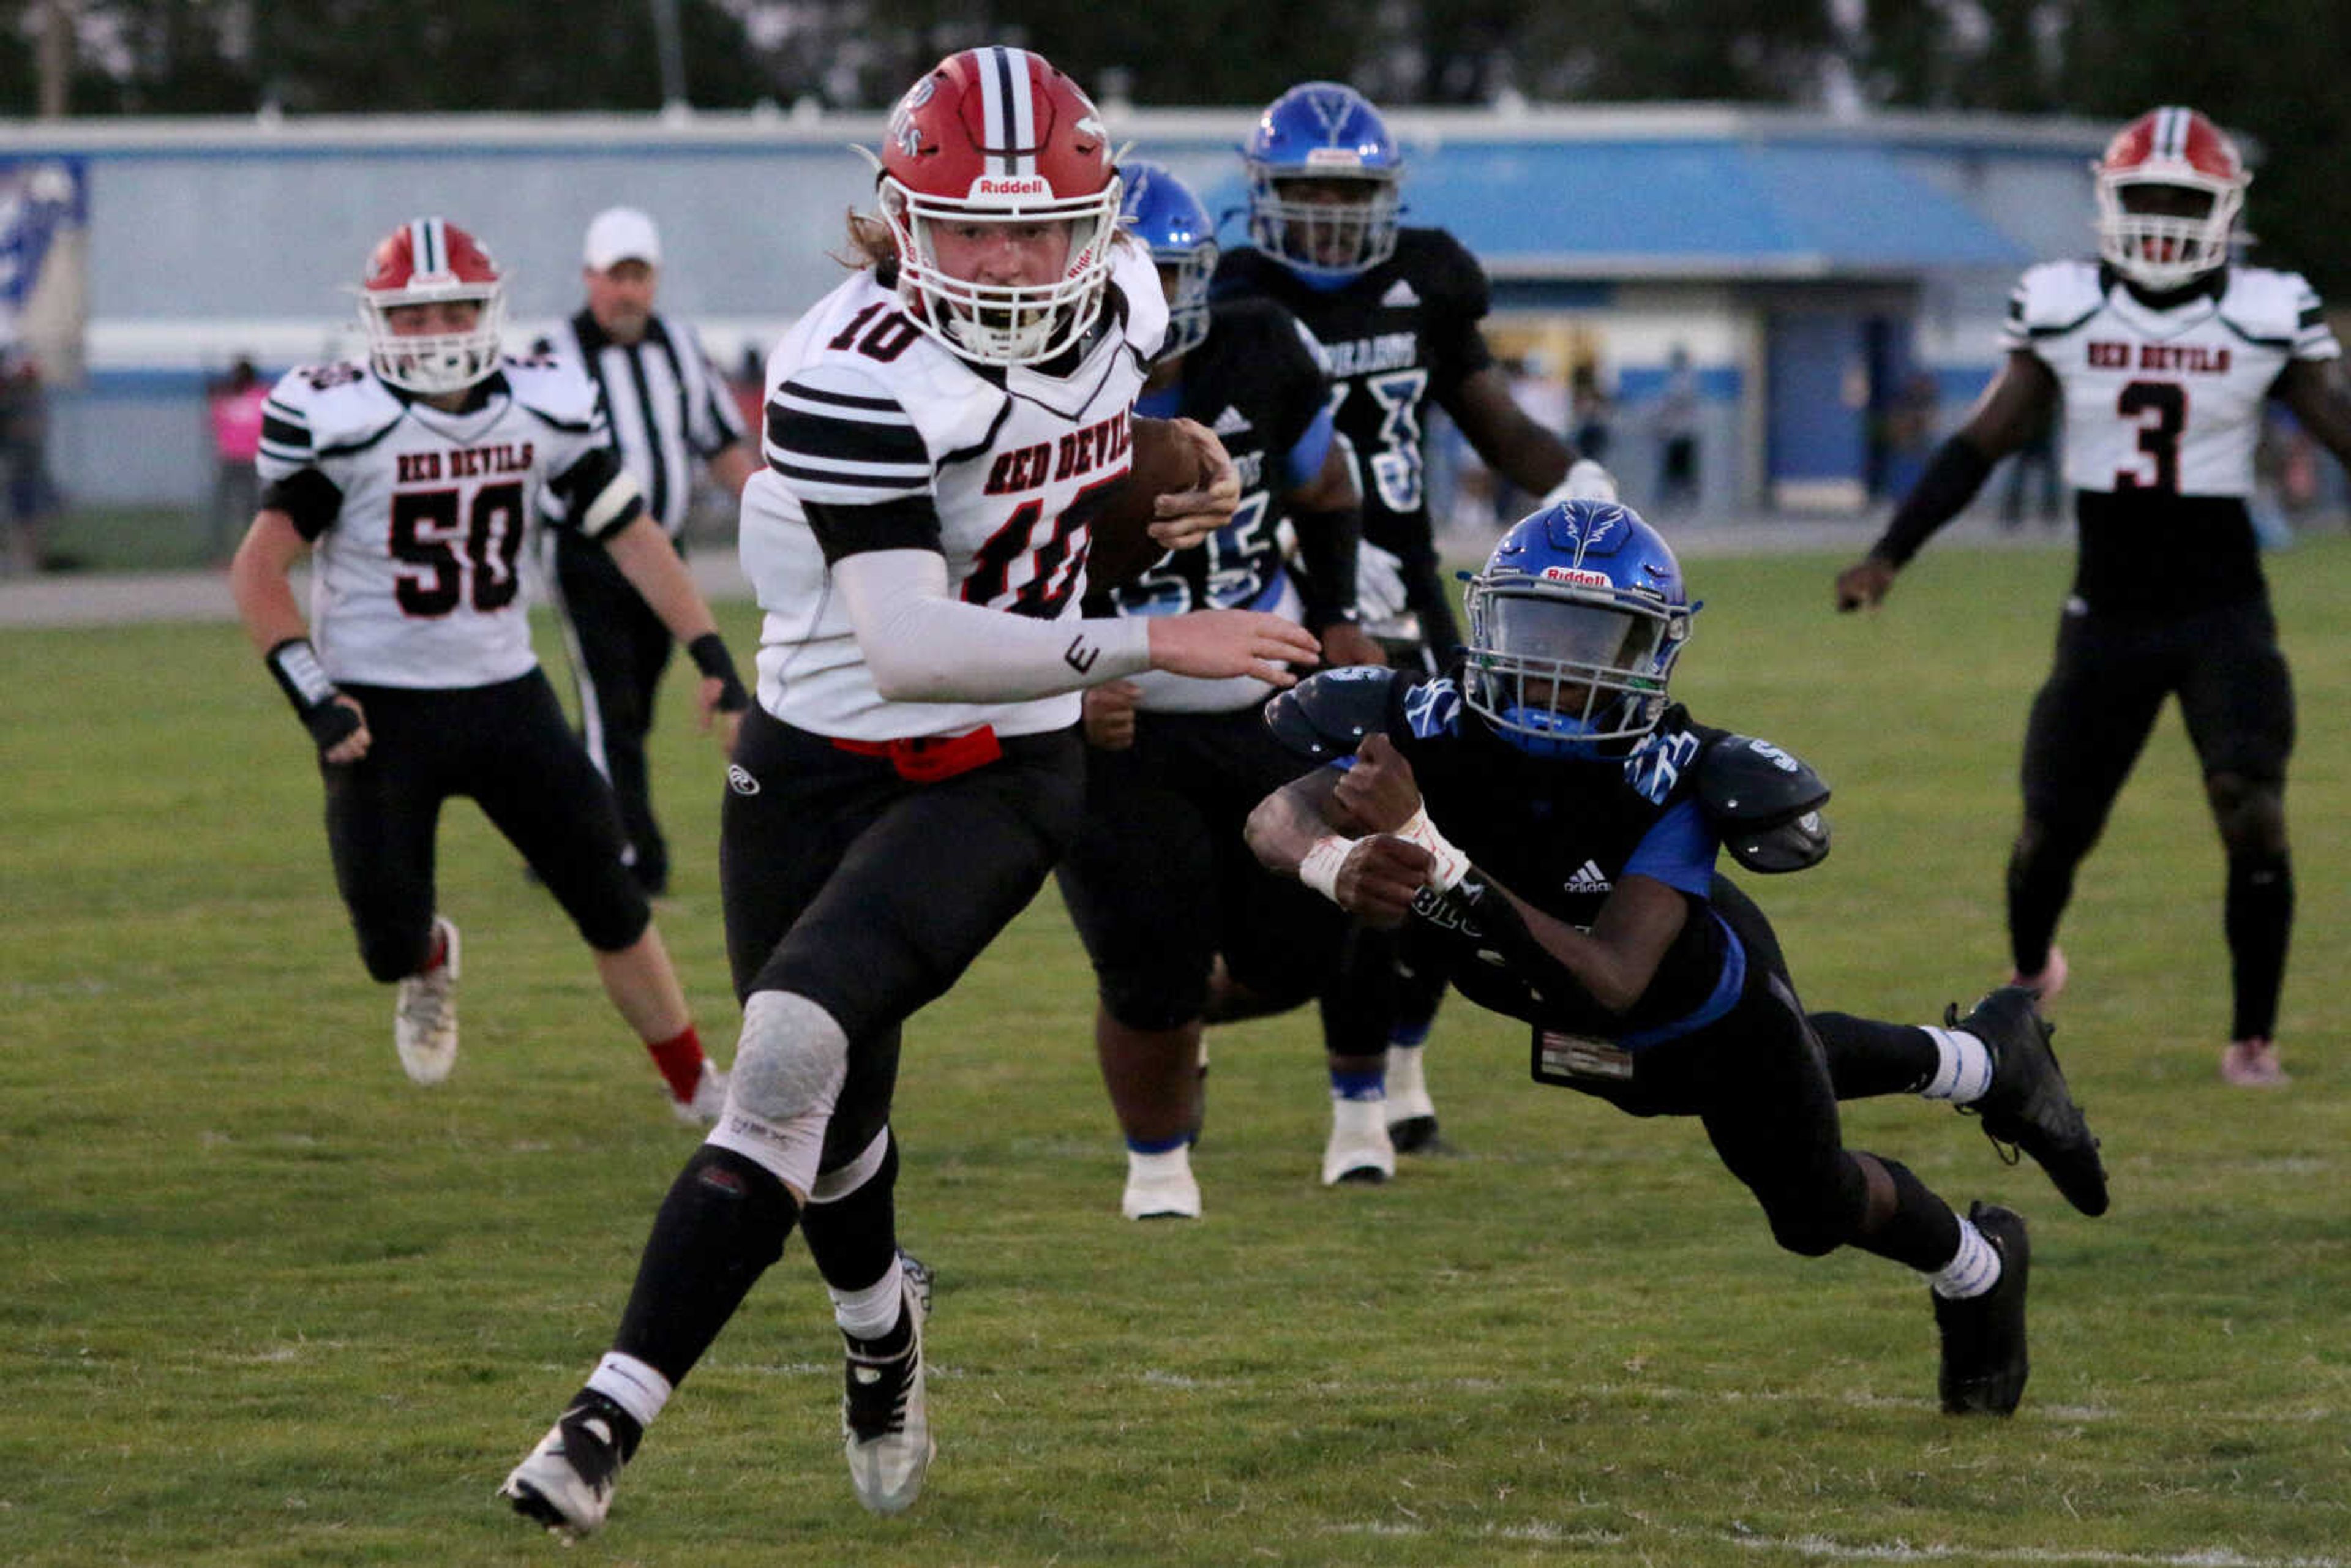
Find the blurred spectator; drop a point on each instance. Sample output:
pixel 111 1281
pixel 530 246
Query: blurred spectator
pixel 2036 464
pixel 1677 424
pixel 1907 433
pixel 1589 411
pixel 234 406
pixel 24 454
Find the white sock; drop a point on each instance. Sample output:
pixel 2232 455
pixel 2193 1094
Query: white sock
pixel 630 1384
pixel 1177 1161
pixel 1963 1071
pixel 1406 1075
pixel 873 1311
pixel 1973 1269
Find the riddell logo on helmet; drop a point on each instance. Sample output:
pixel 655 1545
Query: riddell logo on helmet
pixel 1029 185
pixel 1575 575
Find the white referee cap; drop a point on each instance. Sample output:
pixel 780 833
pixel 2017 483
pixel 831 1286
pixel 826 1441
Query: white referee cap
pixel 620 233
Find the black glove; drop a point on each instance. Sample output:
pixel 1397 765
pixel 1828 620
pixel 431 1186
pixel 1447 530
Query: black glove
pixel 295 664
pixel 709 654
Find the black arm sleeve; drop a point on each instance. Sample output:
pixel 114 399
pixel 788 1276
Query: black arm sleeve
pixel 1328 543
pixel 309 498
pixel 1953 475
pixel 1482 911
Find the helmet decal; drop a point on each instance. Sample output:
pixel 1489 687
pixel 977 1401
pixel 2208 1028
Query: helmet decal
pixel 1575 624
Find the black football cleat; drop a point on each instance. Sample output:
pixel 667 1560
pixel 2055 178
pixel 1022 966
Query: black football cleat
pixel 2028 1106
pixel 1984 1362
pixel 1415 1135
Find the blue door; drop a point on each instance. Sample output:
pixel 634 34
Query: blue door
pixel 1816 373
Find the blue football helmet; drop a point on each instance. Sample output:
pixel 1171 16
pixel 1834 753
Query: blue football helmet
pixel 1322 131
pixel 1163 213
pixel 1574 626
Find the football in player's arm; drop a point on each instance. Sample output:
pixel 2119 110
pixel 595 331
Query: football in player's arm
pixel 1546 814
pixel 2158 359
pixel 937 428
pixel 410 479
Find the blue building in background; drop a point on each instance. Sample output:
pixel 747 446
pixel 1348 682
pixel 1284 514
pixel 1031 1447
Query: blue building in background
pixel 1830 290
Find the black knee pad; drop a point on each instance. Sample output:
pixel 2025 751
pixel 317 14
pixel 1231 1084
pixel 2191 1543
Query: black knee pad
pixel 1813 1224
pixel 1146 999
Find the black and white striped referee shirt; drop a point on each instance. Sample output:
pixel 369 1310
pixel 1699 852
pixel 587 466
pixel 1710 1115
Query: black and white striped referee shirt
pixel 668 406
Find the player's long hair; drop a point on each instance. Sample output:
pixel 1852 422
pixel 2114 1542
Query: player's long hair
pixel 870 244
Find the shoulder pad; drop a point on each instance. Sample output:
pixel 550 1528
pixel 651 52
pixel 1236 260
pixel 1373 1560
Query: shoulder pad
pixel 1765 802
pixel 554 386
pixel 1327 716
pixel 1443 271
pixel 2269 306
pixel 322 409
pixel 2053 297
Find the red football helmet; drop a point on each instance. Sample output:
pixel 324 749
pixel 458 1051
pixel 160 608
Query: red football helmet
pixel 2180 148
pixel 996 135
pixel 421 262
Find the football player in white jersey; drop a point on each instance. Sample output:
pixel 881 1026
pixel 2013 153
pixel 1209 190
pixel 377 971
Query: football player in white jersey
pixel 2159 356
pixel 409 479
pixel 939 431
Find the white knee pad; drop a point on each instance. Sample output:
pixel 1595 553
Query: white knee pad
pixel 790 1065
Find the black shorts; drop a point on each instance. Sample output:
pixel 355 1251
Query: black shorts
pixel 2093 715
pixel 508 747
pixel 870 896
pixel 1160 878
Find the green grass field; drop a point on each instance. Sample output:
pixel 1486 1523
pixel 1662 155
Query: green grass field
pixel 264 1302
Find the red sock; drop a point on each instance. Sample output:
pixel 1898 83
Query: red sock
pixel 440 955
pixel 679 1060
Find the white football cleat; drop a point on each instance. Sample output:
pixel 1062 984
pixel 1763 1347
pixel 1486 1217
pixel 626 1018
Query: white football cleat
pixel 709 1098
pixel 424 1015
pixel 885 1420
pixel 1360 1149
pixel 1161 1186
pixel 566 1482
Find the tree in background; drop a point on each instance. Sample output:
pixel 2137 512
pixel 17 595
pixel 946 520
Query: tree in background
pixel 2271 69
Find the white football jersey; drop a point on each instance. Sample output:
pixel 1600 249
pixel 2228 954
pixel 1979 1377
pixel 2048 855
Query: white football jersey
pixel 417 515
pixel 2166 400
pixel 900 445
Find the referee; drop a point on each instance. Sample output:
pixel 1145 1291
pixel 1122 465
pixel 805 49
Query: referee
pixel 667 407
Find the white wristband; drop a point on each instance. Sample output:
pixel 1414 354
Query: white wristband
pixel 1318 869
pixel 1451 866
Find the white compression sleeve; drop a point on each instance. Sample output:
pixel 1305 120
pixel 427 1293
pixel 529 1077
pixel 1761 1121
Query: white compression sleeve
pixel 926 646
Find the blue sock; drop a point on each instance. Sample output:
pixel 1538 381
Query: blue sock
pixel 1372 1085
pixel 1157 1146
pixel 1410 1033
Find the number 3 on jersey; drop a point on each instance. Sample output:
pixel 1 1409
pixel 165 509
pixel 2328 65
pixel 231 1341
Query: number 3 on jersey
pixel 1396 467
pixel 2159 409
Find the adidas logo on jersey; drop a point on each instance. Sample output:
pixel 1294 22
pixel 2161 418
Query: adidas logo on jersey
pixel 1232 422
pixel 1400 293
pixel 1589 878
